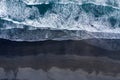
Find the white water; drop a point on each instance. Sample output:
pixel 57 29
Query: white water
pixel 62 16
pixel 114 3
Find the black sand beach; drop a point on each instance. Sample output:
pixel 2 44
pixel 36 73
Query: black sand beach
pixel 64 56
pixel 68 47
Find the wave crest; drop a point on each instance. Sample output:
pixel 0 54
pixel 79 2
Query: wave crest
pixel 88 17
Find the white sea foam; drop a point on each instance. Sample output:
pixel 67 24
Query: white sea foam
pixel 58 21
pixel 62 16
pixel 114 3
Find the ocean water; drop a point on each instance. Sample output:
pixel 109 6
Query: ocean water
pixel 38 20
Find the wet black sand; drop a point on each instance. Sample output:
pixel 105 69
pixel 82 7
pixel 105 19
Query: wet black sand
pixel 72 55
pixel 72 62
pixel 68 47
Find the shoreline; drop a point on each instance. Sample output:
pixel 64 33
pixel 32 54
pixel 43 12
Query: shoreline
pixel 81 48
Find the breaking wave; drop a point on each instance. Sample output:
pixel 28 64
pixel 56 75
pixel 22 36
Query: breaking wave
pixel 114 3
pixel 91 18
